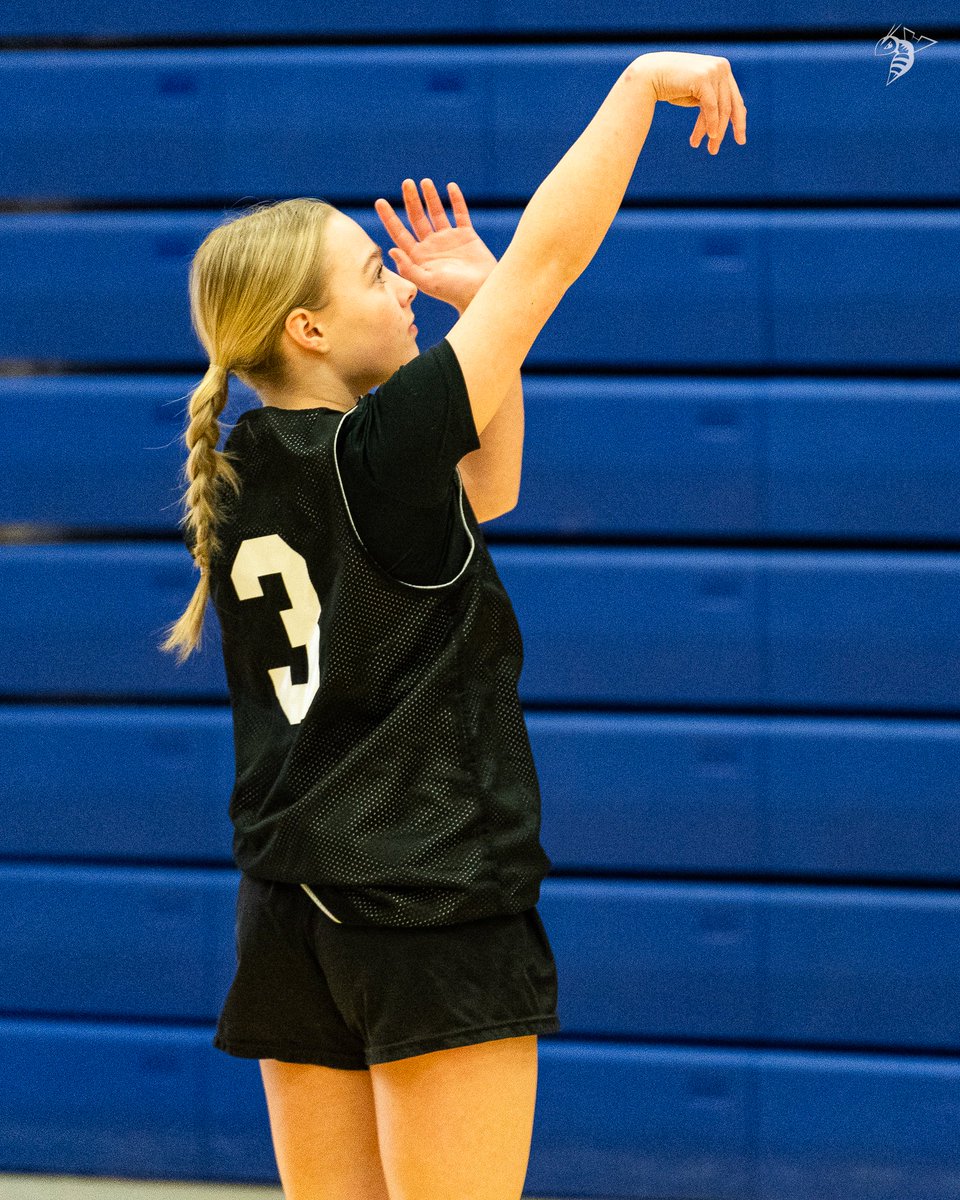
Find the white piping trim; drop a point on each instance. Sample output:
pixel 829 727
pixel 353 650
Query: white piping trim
pixel 402 582
pixel 319 905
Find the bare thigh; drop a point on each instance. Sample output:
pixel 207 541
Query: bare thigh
pixel 324 1131
pixel 458 1123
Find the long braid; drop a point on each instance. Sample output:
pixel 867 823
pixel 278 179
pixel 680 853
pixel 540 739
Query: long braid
pixel 205 469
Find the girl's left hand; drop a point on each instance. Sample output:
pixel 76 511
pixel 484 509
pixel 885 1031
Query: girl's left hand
pixel 449 262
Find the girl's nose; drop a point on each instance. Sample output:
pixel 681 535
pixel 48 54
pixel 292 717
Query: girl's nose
pixel 407 283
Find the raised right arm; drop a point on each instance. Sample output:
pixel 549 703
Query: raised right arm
pixel 570 212
pixel 557 236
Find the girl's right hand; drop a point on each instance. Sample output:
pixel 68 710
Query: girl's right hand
pixel 702 80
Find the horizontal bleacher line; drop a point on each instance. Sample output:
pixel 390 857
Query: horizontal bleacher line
pixel 620 875
pixel 495 118
pixel 24 534
pixel 731 1123
pixel 507 20
pixel 777 629
pixel 179 703
pixel 664 960
pixel 94 1023
pixel 820 465
pixel 218 205
pixel 764 289
pixel 21 370
pixel 653 37
pixel 810 798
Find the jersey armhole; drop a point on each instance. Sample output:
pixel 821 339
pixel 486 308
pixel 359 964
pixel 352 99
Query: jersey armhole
pixel 366 552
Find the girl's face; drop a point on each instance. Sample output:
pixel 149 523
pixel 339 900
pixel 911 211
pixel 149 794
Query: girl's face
pixel 364 334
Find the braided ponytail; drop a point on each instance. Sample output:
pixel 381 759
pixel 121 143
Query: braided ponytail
pixel 246 276
pixel 206 469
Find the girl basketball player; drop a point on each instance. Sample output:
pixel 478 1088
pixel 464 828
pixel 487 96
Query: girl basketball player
pixel 392 970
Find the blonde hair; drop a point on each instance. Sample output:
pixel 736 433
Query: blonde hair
pixel 248 273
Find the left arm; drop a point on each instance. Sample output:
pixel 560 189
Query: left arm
pixel 491 475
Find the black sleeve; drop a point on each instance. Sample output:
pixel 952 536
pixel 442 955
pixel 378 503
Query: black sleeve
pixel 408 436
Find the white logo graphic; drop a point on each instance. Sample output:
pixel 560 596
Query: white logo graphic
pixel 903 44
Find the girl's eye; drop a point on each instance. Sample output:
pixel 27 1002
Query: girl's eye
pixel 380 272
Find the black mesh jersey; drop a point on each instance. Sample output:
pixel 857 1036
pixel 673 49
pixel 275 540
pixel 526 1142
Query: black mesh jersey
pixel 382 758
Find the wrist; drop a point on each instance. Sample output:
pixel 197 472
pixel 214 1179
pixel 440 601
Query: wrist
pixel 641 74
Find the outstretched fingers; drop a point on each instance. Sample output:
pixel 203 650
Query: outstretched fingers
pixel 461 213
pixel 438 214
pixel 394 226
pixel 421 224
pixel 435 205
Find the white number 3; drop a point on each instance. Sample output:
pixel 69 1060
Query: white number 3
pixel 270 555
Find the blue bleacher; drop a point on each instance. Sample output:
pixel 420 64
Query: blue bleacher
pixel 735 563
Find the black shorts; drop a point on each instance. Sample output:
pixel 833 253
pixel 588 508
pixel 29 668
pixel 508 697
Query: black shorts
pixel 310 990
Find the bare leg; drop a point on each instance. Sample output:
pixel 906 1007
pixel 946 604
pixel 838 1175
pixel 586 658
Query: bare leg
pixel 324 1131
pixel 457 1124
